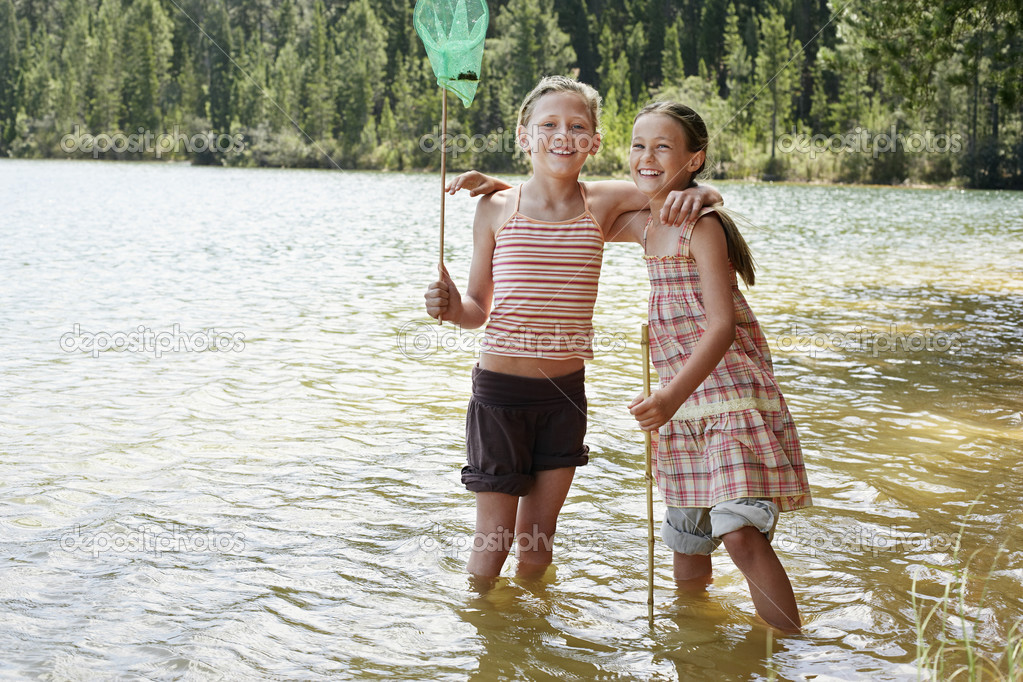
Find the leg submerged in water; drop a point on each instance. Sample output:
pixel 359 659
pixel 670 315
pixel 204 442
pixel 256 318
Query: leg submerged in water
pixel 768 582
pixel 495 521
pixel 692 571
pixel 528 522
pixel 537 520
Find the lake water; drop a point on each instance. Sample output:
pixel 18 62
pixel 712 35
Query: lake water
pixel 230 437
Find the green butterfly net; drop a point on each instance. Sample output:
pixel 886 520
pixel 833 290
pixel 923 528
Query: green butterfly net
pixel 453 32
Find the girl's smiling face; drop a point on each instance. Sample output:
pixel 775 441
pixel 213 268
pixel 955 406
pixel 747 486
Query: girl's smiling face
pixel 560 132
pixel 660 159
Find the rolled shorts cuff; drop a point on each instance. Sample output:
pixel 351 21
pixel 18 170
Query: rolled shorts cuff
pixel 698 530
pixel 477 481
pixel 684 541
pixel 747 511
pixel 546 463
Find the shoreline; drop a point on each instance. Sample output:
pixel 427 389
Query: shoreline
pixel 504 175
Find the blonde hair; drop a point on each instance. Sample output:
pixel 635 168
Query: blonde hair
pixel 697 139
pixel 549 84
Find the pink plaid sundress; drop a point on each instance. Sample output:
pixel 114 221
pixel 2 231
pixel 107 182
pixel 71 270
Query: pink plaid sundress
pixel 734 436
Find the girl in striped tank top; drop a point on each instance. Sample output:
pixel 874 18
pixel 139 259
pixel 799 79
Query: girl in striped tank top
pixel 728 457
pixel 537 252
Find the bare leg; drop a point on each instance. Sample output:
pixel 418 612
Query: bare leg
pixel 495 519
pixel 692 571
pixel 768 583
pixel 537 520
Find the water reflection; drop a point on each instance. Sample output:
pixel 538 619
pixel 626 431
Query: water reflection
pixel 335 455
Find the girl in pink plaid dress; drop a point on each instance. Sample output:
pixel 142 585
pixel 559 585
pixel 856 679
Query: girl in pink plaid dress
pixel 728 457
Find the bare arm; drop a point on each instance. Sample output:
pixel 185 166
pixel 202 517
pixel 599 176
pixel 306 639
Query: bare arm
pixel 710 251
pixel 472 309
pixel 609 199
pixel 628 227
pixel 477 183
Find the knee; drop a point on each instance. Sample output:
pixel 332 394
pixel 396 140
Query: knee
pixel 745 542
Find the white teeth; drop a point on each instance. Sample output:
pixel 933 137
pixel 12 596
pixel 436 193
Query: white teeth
pixel 649 173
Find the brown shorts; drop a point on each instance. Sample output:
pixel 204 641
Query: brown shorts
pixel 516 426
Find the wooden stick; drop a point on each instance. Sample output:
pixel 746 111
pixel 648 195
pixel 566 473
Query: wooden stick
pixel 443 172
pixel 645 340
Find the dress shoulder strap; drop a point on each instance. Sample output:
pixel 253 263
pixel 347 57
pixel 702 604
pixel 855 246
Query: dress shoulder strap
pixel 687 231
pixel 518 197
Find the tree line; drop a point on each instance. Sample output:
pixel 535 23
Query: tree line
pixel 881 91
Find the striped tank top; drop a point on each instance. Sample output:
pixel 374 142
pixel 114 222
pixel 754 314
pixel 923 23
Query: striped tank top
pixel 545 284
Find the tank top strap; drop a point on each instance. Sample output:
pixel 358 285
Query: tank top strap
pixel 518 197
pixel 686 236
pixel 586 202
pixel 645 228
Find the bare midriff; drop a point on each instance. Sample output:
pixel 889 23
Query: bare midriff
pixel 530 367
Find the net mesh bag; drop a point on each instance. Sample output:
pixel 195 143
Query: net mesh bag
pixel 453 32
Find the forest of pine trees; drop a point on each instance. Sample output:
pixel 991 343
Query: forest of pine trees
pixel 879 91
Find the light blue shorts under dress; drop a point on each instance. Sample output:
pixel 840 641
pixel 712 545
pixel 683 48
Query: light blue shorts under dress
pixel 698 530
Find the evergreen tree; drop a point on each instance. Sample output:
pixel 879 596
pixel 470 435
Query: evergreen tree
pixel 531 45
pixel 635 49
pixel 72 97
pixel 656 18
pixel 285 26
pixel 146 40
pixel 190 98
pixel 320 83
pixel 221 76
pixel 388 158
pixel 574 19
pixel 614 66
pixel 738 71
pixel 820 106
pixel 141 86
pixel 38 77
pixel 252 85
pixel 286 78
pixel 673 71
pixel 689 11
pixel 711 48
pixel 774 72
pixel 10 75
pixel 106 78
pixel 362 52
